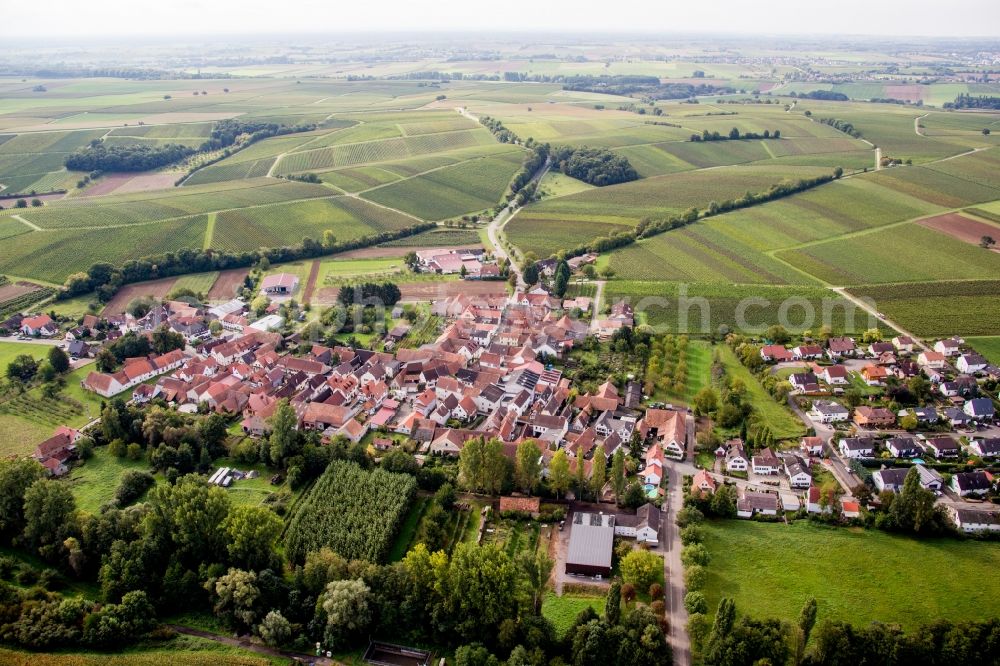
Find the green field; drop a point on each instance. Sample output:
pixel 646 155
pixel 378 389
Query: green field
pixel 908 253
pixel 711 305
pixel 988 346
pixel 562 611
pixel 858 576
pixel 940 308
pixel 779 418
pixel 95 480
pixel 564 222
pixel 465 238
pixel 467 187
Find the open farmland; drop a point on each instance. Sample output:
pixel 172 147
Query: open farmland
pixel 856 575
pixel 907 253
pixel 961 227
pixel 451 191
pixel 288 224
pixel 557 220
pixel 940 308
pixel 702 308
pixel 55 255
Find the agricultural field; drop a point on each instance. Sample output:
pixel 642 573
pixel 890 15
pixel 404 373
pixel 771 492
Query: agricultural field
pixel 288 224
pixel 907 253
pixel 709 306
pixel 438 238
pixel 353 511
pixel 859 576
pixel 564 222
pixel 466 187
pixel 939 308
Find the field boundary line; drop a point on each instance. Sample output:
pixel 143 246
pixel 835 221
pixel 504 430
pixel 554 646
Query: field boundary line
pixel 422 173
pixel 395 210
pixel 209 231
pixel 30 225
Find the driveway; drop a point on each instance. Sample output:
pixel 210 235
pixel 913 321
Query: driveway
pixel 673 571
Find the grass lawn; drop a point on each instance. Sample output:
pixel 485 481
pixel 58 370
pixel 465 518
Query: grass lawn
pixel 408 530
pixel 95 480
pixel 562 611
pixel 987 346
pixel 783 423
pixel 856 575
pixel 10 350
pixel 179 651
pixel 338 270
pixel 556 184
pixel 250 491
pixel 72 307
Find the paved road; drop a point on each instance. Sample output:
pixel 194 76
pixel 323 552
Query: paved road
pixel 496 225
pixel 252 647
pixel 677 615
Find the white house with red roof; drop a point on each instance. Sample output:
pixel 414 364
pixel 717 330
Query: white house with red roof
pixel 41 325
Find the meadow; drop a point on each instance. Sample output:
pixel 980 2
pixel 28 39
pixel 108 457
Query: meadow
pixel 858 576
pixel 988 346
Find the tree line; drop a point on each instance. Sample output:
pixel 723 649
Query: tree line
pixel 106 278
pixel 651 226
pixel 827 95
pixel 746 640
pixel 843 126
pixel 966 101
pixel 648 86
pixel 734 135
pixel 99 156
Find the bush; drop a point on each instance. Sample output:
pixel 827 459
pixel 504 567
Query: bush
pixel 655 591
pixel 694 554
pixel 694 577
pixel 132 485
pixel 692 534
pixel 694 602
pixel 689 515
pixel 641 568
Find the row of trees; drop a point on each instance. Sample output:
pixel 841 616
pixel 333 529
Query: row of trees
pixel 842 125
pixel 966 101
pixel 745 640
pixel 735 135
pixel 653 225
pixel 106 278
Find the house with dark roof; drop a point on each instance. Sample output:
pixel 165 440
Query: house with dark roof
pixel 971 483
pixel 752 503
pixel 986 448
pixel 643 526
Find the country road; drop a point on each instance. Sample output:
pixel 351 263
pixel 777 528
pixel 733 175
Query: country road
pixel 503 217
pixel 598 298
pixel 875 313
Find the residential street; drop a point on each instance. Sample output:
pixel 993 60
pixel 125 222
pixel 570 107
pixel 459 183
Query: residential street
pixel 673 570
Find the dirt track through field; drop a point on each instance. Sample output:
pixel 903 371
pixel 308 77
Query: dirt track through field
pixel 386 252
pixel 311 282
pixel 961 227
pixel 227 284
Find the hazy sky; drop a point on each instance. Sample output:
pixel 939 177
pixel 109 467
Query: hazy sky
pixel 185 17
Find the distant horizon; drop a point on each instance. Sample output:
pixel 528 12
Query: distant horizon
pixel 61 19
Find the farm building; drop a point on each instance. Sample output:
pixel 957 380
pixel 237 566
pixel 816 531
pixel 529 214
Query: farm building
pixel 644 526
pixel 591 540
pixel 279 284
